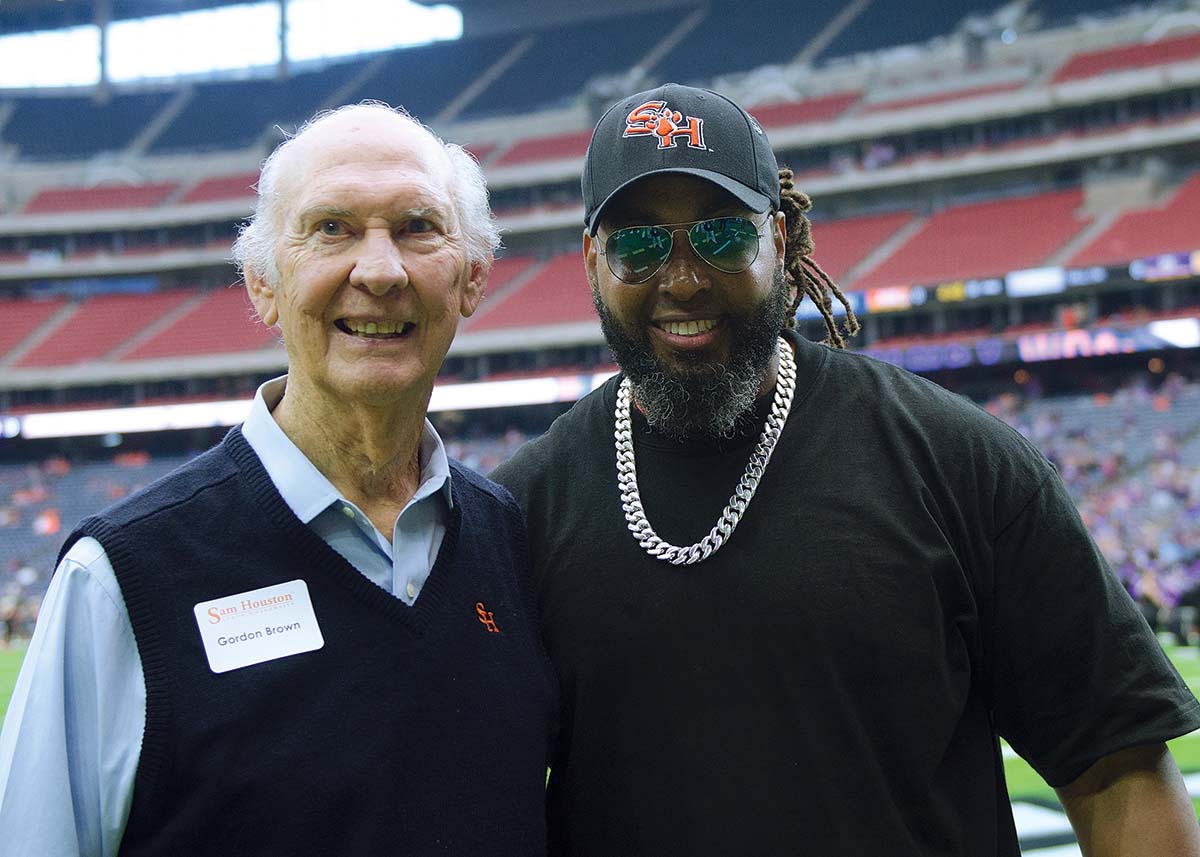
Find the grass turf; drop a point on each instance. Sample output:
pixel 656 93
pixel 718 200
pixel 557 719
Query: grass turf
pixel 10 662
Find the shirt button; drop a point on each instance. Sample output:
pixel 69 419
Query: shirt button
pixel 347 511
pixel 411 590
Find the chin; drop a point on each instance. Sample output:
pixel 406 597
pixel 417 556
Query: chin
pixel 381 387
pixel 690 365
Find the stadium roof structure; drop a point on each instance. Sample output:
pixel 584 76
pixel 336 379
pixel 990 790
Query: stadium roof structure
pixel 17 16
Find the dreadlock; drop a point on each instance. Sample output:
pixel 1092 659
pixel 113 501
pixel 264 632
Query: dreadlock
pixel 802 272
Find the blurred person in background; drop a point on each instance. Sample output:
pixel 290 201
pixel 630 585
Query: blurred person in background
pixel 312 639
pixel 794 595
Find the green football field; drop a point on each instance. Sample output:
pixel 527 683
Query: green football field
pixel 10 662
pixel 1023 782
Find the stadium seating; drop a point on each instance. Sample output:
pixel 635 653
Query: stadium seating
pixel 556 294
pixel 1150 231
pixel 817 109
pixel 505 270
pixel 842 244
pixel 64 127
pixel 1161 52
pixel 981 239
pixel 22 317
pixel 886 25
pixel 222 323
pixel 99 198
pixel 550 73
pixel 222 187
pixel 231 115
pixel 100 325
pixel 425 79
pixel 554 147
pixel 39 506
pixel 942 97
pixel 743 35
pixel 1063 12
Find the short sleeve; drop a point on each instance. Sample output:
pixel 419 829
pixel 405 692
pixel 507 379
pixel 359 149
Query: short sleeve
pixel 1078 674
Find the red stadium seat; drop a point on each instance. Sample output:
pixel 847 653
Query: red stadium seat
pixel 107 321
pixel 981 239
pixel 1162 52
pixel 842 244
pixel 224 322
pixel 553 148
pixel 222 187
pixel 1170 228
pixel 22 317
pixel 821 109
pixel 943 97
pixel 99 198
pixel 557 294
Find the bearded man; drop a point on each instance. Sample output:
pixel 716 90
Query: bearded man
pixel 893 579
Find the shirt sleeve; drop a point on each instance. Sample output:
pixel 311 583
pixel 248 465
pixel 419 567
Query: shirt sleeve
pixel 72 736
pixel 1077 672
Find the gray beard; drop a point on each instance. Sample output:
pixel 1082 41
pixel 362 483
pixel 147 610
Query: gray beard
pixel 708 400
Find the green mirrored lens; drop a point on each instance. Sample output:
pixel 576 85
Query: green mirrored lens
pixel 729 244
pixel 637 252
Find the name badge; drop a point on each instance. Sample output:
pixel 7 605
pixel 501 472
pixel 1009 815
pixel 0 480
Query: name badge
pixel 258 626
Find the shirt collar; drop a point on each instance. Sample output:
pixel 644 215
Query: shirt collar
pixel 303 487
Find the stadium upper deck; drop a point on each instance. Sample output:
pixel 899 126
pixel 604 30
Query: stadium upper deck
pixel 995 122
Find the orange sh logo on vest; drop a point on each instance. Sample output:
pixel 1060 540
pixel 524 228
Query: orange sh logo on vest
pixel 656 118
pixel 487 618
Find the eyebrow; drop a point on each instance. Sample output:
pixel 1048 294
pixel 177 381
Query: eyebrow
pixel 322 212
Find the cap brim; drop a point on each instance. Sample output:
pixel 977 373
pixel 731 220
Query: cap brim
pixel 751 198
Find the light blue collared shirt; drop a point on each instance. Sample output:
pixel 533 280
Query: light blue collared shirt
pixel 400 566
pixel 72 737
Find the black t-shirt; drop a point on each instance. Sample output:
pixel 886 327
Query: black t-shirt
pixel 910 579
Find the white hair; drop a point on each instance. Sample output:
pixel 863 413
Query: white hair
pixel 254 249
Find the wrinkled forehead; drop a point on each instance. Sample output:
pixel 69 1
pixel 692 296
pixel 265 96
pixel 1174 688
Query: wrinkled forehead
pixel 371 138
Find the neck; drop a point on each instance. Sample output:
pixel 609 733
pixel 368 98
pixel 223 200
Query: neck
pixel 371 454
pixel 771 376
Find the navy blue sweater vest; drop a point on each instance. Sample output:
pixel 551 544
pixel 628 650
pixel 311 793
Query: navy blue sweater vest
pixel 412 731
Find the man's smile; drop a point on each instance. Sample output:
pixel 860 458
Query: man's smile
pixel 374 328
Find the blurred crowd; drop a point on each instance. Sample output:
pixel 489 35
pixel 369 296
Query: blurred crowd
pixel 1130 458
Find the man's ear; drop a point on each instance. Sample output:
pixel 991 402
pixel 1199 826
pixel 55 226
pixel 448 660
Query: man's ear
pixel 590 246
pixel 474 290
pixel 263 297
pixel 778 223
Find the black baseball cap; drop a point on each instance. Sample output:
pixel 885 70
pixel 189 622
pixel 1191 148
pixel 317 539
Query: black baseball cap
pixel 679 129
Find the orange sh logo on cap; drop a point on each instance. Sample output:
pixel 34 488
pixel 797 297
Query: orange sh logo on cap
pixel 656 118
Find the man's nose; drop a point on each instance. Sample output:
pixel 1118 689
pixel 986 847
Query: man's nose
pixel 380 264
pixel 684 273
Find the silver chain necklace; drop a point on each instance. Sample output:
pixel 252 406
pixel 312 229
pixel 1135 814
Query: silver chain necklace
pixel 631 498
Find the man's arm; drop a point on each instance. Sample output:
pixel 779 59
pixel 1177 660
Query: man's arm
pixel 1132 803
pixel 71 739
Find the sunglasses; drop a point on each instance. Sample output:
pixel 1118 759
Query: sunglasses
pixel 637 253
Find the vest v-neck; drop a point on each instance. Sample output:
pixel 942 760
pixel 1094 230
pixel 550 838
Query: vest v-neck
pixel 314 555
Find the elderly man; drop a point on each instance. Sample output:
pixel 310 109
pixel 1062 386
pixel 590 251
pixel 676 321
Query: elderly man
pixel 312 639
pixel 892 580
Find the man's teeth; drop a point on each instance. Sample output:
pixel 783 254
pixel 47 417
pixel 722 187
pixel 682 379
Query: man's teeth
pixel 371 328
pixel 688 328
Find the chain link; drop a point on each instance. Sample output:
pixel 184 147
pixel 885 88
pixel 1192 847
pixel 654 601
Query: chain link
pixel 631 498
